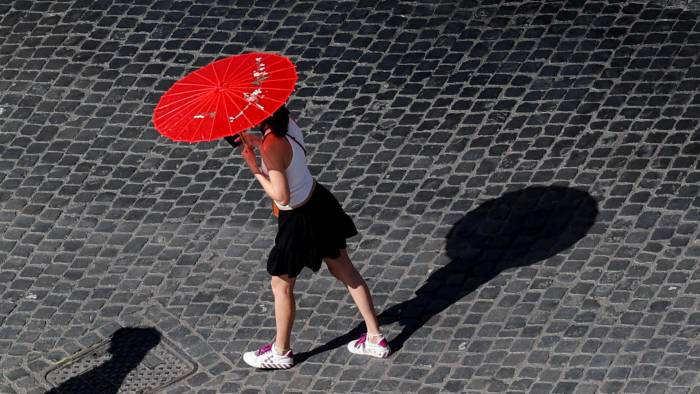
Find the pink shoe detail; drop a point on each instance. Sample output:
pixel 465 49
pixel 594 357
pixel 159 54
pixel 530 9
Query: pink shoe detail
pixel 361 340
pixel 266 357
pixel 362 346
pixel 264 349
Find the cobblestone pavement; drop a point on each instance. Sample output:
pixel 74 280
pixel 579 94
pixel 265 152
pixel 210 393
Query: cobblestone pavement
pixel 524 176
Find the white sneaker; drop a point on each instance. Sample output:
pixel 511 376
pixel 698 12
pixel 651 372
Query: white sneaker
pixel 267 358
pixel 363 346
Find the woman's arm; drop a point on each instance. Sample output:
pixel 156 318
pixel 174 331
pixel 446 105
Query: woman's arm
pixel 275 185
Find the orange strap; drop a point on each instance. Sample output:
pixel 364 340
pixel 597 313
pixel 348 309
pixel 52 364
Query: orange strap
pixel 275 209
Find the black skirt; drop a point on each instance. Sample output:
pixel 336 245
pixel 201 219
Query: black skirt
pixel 307 234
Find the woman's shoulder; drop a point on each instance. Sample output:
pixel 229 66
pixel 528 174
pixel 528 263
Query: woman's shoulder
pixel 274 144
pixel 277 152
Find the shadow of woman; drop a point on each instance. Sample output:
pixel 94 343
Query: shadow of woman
pixel 128 347
pixel 517 229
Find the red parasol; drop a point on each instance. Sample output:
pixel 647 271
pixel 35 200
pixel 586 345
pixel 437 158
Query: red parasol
pixel 225 97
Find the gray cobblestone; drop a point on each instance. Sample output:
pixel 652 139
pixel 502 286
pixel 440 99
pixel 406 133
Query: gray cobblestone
pixel 524 176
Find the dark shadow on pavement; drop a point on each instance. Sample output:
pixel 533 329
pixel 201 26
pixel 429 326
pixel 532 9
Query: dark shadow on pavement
pixel 517 229
pixel 128 347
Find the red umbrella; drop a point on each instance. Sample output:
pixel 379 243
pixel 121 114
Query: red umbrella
pixel 225 97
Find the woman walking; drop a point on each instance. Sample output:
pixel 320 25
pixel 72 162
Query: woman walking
pixel 312 227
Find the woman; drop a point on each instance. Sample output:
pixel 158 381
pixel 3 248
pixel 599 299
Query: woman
pixel 312 227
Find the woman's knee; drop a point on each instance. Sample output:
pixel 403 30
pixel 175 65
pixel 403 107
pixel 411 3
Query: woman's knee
pixel 282 286
pixel 343 270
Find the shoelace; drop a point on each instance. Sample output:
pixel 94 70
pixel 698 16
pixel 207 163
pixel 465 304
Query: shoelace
pixel 363 339
pixel 264 349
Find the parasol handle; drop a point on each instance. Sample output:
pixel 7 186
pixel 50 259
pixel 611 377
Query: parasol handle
pixel 246 142
pixel 236 142
pixel 231 139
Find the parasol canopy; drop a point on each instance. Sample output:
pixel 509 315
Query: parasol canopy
pixel 225 97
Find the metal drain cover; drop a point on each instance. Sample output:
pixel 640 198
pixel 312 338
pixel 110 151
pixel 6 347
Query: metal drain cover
pixel 134 360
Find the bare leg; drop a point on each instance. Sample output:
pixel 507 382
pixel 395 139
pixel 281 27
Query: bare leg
pixel 344 271
pixel 285 307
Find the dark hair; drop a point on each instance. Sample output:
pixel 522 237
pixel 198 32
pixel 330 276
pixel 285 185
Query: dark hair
pixel 277 122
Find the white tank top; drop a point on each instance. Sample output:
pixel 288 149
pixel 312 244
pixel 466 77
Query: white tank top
pixel 298 176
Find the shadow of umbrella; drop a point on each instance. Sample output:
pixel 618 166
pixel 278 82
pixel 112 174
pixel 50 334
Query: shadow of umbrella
pixel 517 229
pixel 128 347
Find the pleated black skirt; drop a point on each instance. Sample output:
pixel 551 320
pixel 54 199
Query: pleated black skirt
pixel 307 234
